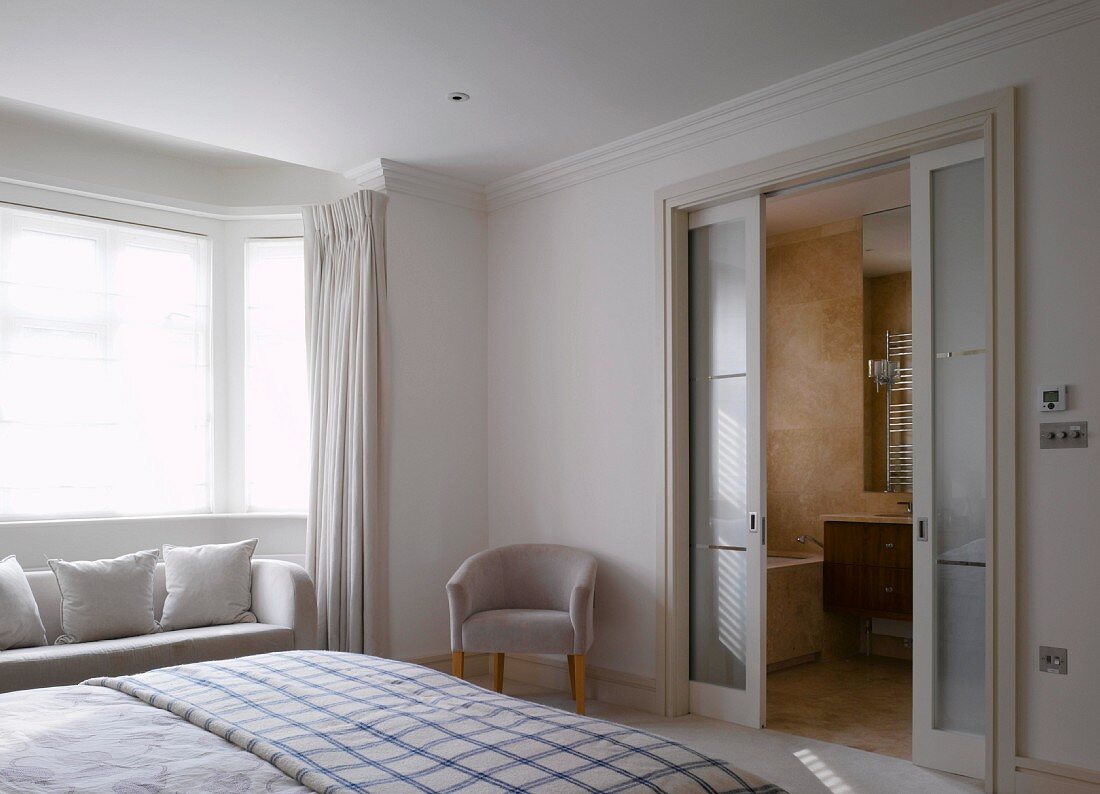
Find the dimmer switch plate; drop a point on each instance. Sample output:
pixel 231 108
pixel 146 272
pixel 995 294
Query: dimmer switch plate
pixel 1063 435
pixel 1053 660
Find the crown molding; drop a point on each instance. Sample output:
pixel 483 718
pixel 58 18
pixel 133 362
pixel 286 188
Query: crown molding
pixel 394 177
pixel 198 209
pixel 970 37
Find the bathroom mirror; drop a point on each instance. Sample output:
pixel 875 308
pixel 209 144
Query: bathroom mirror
pixel 887 352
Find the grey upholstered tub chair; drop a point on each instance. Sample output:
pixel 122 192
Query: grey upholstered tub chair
pixel 528 598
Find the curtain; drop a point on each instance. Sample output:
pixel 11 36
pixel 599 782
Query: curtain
pixel 345 264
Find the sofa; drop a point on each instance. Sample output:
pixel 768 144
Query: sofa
pixel 282 600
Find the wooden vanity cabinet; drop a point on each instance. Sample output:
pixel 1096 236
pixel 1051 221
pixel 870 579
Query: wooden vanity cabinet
pixel 869 569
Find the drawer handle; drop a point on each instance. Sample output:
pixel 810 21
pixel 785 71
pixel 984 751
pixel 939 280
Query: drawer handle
pixel 889 545
pixel 888 589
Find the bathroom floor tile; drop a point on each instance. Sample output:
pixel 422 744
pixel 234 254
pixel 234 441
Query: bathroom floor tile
pixel 862 702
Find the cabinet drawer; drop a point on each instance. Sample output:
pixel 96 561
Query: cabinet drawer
pixel 889 545
pixel 869 589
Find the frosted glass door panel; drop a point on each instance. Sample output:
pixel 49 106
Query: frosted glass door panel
pixel 717 276
pixel 960 496
pixel 719 532
pixel 951 398
pixel 719 455
pixel 725 463
pixel 719 487
pixel 719 589
pixel 958 257
pixel 959 300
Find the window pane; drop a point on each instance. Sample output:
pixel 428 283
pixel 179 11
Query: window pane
pixel 104 374
pixel 276 399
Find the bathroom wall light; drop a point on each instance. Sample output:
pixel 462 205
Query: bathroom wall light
pixel 882 371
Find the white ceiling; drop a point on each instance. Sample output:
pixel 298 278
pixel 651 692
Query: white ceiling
pixel 334 84
pixel 885 233
pixel 837 201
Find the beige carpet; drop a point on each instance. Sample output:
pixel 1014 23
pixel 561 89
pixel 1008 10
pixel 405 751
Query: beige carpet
pixel 802 766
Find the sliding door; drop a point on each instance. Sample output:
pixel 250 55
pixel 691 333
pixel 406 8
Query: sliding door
pixel 952 380
pixel 726 460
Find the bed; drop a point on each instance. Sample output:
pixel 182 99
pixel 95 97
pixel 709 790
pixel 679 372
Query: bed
pixel 303 721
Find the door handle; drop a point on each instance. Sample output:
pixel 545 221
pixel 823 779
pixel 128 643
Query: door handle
pixel 922 529
pixel 752 522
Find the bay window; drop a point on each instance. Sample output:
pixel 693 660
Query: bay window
pixel 104 368
pixel 149 372
pixel 276 407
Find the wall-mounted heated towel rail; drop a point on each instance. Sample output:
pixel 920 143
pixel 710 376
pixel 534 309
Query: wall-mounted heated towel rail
pixel 899 413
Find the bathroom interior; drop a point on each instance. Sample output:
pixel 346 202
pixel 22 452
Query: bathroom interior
pixel 840 462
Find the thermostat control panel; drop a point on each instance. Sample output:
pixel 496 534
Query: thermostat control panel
pixel 1052 398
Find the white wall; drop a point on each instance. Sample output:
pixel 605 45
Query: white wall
pixel 574 411
pixel 436 270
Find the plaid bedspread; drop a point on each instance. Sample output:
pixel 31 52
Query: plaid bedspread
pixel 339 722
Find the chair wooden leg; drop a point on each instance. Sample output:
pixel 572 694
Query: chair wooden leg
pixel 578 662
pixel 456 663
pixel 498 672
pixel 571 662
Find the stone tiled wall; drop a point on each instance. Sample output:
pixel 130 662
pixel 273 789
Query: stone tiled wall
pixel 815 374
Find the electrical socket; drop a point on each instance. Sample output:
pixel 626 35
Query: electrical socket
pixel 1053 660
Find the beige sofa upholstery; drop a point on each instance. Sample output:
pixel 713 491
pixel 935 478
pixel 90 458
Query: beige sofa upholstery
pixel 526 598
pixel 282 600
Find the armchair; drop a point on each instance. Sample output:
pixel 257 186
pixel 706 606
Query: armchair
pixel 527 598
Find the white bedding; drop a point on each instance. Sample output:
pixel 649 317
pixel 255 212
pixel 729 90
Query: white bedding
pixel 91 739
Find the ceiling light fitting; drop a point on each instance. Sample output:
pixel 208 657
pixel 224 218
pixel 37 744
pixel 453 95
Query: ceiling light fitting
pixel 458 96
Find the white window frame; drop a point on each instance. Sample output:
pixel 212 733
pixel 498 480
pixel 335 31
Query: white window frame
pixel 226 252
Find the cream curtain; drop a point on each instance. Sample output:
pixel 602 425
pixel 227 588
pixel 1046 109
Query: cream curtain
pixel 345 256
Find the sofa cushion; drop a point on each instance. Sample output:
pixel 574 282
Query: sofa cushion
pixel 518 631
pixel 105 599
pixel 60 665
pixel 208 585
pixel 20 623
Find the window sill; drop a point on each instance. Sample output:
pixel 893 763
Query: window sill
pixel 156 519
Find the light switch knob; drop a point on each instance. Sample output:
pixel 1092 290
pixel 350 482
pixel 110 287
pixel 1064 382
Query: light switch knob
pixel 1048 435
pixel 1061 434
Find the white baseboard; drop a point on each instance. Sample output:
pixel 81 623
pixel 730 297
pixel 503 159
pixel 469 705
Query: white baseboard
pixel 603 684
pixel 474 664
pixel 1034 776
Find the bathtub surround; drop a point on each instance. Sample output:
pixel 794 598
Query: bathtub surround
pixel 815 381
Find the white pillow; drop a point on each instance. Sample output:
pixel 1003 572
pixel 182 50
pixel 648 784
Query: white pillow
pixel 208 585
pixel 20 622
pixel 106 599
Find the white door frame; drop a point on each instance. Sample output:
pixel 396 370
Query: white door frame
pixel 990 118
